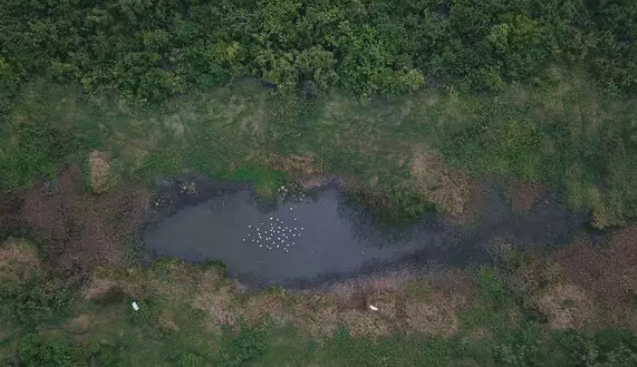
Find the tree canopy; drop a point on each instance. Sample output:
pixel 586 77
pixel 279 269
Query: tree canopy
pixel 150 49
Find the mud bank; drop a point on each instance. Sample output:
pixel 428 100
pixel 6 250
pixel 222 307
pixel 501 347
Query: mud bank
pixel 300 240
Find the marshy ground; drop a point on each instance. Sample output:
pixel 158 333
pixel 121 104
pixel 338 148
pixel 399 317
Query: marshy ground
pixel 511 272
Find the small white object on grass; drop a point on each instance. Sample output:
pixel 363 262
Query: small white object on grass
pixel 135 307
pixel 373 308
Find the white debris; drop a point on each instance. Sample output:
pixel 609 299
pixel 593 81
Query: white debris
pixel 135 306
pixel 373 308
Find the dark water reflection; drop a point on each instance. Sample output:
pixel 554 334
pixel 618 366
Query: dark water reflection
pixel 297 244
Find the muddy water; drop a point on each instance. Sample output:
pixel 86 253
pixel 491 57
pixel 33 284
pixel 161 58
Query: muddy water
pixel 297 242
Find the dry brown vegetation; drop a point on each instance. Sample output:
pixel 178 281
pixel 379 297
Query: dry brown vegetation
pixel 565 306
pixel 100 169
pixel 17 259
pixel 524 195
pixel 319 313
pixel 608 272
pixel 80 230
pixel 304 167
pixel 445 187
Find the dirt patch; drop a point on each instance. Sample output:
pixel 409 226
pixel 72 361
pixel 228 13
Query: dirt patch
pixel 100 169
pixel 79 230
pixel 524 195
pixel 445 187
pixel 565 306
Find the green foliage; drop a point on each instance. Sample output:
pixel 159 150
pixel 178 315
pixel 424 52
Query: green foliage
pixel 36 351
pixel 264 179
pixel 151 50
pixel 186 359
pixel 106 355
pixel 29 302
pixel 147 316
pixel 493 291
pixel 34 152
pixel 242 348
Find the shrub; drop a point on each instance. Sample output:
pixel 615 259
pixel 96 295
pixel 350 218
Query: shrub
pixel 35 351
pixel 32 301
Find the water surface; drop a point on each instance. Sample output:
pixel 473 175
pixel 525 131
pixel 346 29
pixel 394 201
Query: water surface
pixel 298 243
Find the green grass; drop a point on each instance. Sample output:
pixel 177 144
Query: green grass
pixel 568 135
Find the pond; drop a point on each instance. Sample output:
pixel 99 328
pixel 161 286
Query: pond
pixel 302 240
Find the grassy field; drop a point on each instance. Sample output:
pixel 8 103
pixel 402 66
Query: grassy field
pixel 422 149
pixel 191 315
pixel 400 155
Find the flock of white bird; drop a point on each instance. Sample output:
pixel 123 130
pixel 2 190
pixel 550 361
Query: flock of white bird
pixel 274 235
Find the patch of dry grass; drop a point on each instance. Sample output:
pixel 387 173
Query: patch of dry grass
pixel 79 324
pixel 445 187
pixel 215 297
pixel 274 307
pixel 524 195
pixel 608 272
pixel 303 166
pixel 318 313
pixel 97 287
pixel 18 259
pixel 434 316
pixel 566 306
pixel 100 169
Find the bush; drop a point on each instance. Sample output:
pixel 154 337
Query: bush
pixel 150 50
pixel 241 349
pixel 35 351
pixel 32 301
pixel 493 291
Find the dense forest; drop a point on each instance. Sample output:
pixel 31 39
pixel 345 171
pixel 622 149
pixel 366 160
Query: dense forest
pixel 146 50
